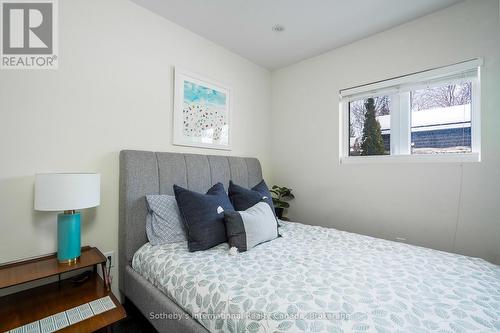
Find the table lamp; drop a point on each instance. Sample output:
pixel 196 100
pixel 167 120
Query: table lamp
pixel 67 192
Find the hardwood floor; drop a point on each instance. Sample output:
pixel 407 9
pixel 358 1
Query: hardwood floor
pixel 135 322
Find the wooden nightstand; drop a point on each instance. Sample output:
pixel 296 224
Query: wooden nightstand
pixel 37 303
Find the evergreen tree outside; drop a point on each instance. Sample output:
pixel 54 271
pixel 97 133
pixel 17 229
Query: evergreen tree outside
pixel 372 142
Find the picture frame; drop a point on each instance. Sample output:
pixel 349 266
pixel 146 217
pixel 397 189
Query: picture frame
pixel 202 112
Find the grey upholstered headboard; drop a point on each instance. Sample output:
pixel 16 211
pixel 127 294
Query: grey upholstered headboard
pixel 145 172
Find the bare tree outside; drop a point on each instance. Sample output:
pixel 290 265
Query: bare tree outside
pixel 441 96
pixel 442 100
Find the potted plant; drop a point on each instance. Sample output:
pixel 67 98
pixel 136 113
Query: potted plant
pixel 281 195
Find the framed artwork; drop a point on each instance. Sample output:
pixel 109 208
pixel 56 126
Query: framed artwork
pixel 201 112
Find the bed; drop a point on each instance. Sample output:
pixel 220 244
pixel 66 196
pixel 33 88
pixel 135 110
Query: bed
pixel 312 279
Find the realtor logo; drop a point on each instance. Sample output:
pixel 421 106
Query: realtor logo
pixel 29 38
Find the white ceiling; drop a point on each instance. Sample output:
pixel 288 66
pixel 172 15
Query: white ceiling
pixel 311 26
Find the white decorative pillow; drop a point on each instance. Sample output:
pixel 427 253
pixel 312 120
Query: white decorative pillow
pixel 164 223
pixel 248 228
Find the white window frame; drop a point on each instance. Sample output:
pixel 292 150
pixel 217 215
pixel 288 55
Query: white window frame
pixel 401 117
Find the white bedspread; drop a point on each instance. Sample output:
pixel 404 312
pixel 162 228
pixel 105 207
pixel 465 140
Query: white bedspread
pixel 318 279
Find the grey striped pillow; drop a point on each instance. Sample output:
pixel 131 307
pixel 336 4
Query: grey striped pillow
pixel 164 223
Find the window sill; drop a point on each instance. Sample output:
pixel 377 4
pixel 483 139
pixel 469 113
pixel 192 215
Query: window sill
pixel 404 159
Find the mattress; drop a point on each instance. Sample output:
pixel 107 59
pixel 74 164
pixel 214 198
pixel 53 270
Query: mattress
pixel 316 279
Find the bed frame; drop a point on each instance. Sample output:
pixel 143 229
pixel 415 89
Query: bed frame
pixel 145 172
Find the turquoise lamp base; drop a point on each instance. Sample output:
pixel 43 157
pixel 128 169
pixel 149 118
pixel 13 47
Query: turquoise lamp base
pixel 68 237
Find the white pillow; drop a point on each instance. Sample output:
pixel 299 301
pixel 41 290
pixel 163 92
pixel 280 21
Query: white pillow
pixel 246 229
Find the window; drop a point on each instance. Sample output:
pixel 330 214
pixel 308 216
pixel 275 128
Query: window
pixel 441 118
pixel 364 114
pixel 426 116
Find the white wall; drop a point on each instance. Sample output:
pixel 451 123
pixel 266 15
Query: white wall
pixel 113 90
pixel 423 203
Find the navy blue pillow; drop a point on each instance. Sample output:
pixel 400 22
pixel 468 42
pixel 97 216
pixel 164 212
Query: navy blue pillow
pixel 243 198
pixel 203 216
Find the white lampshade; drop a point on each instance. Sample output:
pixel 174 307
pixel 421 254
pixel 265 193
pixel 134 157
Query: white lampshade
pixel 67 191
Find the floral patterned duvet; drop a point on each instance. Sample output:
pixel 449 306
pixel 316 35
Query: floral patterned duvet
pixel 316 279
